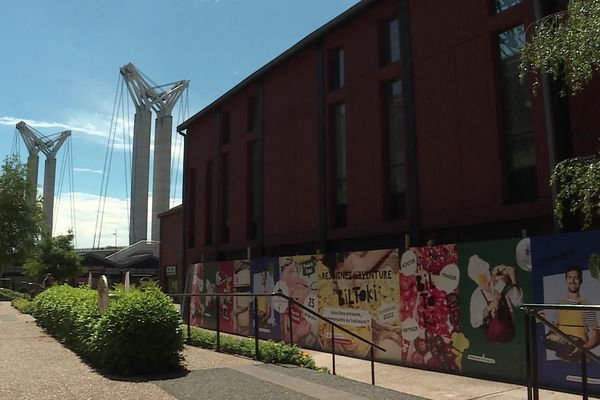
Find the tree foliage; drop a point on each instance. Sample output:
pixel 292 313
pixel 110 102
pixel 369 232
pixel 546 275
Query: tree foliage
pixel 566 46
pixel 20 218
pixel 55 255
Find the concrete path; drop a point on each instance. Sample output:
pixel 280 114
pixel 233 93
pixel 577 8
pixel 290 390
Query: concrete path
pixel 33 365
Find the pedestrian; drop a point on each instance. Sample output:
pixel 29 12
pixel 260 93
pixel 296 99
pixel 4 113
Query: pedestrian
pixel 48 280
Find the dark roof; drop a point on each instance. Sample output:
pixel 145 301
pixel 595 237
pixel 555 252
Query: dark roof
pixel 302 44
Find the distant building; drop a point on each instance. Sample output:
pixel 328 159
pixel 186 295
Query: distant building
pixel 398 122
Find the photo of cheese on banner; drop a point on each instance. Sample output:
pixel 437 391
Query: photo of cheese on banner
pixel 430 308
pixel 362 296
pixel 298 276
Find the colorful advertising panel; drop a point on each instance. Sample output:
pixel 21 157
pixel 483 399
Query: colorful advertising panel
pixel 567 271
pixel 496 280
pixel 241 304
pixel 197 303
pixel 224 280
pixel 361 293
pixel 298 280
pixel 208 286
pixel 430 307
pixel 265 272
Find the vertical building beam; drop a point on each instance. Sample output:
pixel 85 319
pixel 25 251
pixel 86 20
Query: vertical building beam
pixel 260 225
pixel 161 178
pixel 414 209
pixel 183 266
pixel 140 172
pixel 216 186
pixel 321 148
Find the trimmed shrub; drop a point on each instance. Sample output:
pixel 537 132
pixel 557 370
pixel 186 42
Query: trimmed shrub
pixel 140 333
pixel 23 305
pixel 7 294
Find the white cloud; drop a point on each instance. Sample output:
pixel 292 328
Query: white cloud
pixel 93 171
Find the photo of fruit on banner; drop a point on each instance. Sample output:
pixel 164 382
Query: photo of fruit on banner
pixel 265 272
pixel 430 308
pixel 361 293
pixel 496 281
pixel 298 280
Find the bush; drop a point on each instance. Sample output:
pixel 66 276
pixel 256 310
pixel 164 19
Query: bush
pixel 270 352
pixel 23 305
pixel 140 332
pixel 7 294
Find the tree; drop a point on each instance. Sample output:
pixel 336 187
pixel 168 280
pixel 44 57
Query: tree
pixel 566 47
pixel 20 218
pixel 55 255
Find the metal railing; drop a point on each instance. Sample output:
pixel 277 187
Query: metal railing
pixel 532 314
pixel 290 301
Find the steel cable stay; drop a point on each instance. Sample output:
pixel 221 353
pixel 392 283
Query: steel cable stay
pixel 72 192
pixel 127 149
pixel 16 145
pixel 104 169
pixel 112 150
pixel 183 112
pixel 60 186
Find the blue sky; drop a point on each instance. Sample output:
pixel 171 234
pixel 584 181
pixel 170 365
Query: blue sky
pixel 61 67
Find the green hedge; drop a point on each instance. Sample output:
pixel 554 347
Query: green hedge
pixel 7 294
pixel 140 332
pixel 23 305
pixel 270 352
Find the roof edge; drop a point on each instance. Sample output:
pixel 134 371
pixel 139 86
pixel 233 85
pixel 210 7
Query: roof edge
pixel 359 7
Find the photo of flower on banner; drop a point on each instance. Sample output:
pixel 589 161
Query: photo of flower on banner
pixel 430 308
pixel 361 293
pixel 298 277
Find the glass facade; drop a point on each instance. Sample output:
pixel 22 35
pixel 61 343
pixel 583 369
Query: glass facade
pixel 338 78
pixel 225 190
pixel 391 37
pixel 341 195
pixel 517 120
pixel 396 151
pixel 502 5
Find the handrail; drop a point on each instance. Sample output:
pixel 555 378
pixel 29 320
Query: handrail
pixel 290 301
pixel 531 316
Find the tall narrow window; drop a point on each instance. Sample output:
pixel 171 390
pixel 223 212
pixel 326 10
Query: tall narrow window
pixel 253 200
pixel 192 209
pixel 225 214
pixel 252 114
pixel 391 41
pixel 502 5
pixel 396 151
pixel 225 128
pixel 337 75
pixel 341 194
pixel 208 207
pixel 518 126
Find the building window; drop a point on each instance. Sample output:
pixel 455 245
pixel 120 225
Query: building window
pixel 341 195
pixel 337 75
pixel 225 190
pixel 252 114
pixel 253 200
pixel 517 117
pixel 391 41
pixel 208 207
pixel 501 5
pixel 225 128
pixel 396 207
pixel 192 209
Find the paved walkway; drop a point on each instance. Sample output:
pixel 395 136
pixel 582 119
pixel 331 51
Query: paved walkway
pixel 33 365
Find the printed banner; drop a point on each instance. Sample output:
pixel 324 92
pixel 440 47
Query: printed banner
pixel 430 307
pixel 207 286
pixel 567 271
pixel 495 281
pixel 241 284
pixel 299 281
pixel 224 279
pixel 265 272
pixel 361 293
